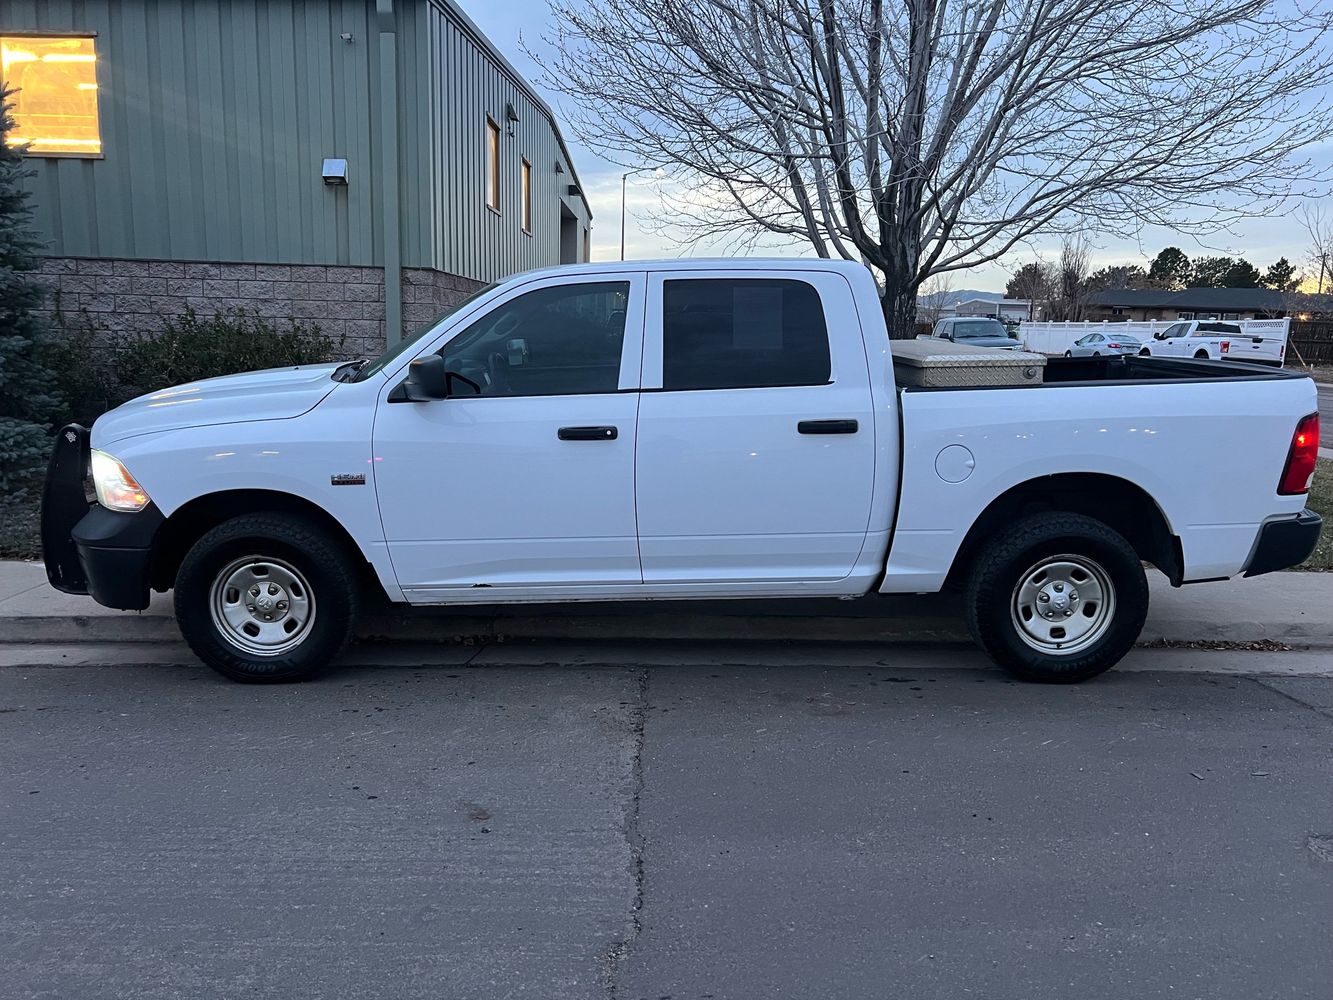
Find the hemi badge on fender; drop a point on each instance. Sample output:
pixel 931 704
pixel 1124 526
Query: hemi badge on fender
pixel 348 479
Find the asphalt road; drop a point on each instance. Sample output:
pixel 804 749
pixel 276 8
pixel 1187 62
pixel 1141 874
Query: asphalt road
pixel 687 831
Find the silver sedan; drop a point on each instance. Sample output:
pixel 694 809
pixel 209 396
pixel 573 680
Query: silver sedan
pixel 1094 345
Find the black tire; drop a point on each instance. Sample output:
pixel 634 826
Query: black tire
pixel 303 559
pixel 1069 354
pixel 1096 354
pixel 1006 564
pixel 1145 353
pixel 1201 356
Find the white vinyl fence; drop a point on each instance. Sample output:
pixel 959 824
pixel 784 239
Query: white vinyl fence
pixel 1056 338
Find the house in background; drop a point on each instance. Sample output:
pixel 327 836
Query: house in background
pixel 1005 310
pixel 359 164
pixel 1137 304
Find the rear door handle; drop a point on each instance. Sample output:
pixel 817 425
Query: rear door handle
pixel 827 426
pixel 587 433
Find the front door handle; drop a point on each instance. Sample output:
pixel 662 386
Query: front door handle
pixel 587 433
pixel 827 426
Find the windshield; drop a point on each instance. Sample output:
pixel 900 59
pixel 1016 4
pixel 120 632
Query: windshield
pixel 979 328
pixel 408 343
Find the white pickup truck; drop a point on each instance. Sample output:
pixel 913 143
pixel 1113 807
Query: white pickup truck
pixel 1209 339
pixel 684 429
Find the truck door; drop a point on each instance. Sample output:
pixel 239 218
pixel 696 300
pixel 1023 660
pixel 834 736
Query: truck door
pixel 527 483
pixel 756 450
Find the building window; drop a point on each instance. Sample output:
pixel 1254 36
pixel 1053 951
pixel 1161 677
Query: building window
pixel 55 106
pixel 527 197
pixel 587 248
pixel 492 166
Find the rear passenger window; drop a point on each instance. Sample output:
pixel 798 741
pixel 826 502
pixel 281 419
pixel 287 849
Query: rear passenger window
pixel 742 333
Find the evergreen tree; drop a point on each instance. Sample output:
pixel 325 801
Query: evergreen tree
pixel 1170 269
pixel 1281 276
pixel 1211 272
pixel 28 397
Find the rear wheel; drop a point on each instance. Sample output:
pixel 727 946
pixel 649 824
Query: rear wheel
pixel 1057 598
pixel 1200 355
pixel 266 598
pixel 1096 354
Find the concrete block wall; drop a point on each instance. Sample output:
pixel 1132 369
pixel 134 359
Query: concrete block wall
pixel 137 296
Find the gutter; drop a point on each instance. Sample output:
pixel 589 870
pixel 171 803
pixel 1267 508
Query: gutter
pixel 389 201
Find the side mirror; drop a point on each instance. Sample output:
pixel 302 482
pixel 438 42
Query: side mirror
pixel 1159 335
pixel 426 379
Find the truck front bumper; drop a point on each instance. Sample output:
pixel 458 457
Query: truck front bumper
pixel 1286 543
pixel 88 549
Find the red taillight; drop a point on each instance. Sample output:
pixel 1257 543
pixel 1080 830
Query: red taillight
pixel 1299 470
pixel 1115 346
pixel 1226 346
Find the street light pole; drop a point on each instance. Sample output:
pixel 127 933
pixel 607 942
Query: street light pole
pixel 623 178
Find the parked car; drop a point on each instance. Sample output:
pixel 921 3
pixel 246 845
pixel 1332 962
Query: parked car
pixel 1094 345
pixel 682 429
pixel 1216 341
pixel 979 331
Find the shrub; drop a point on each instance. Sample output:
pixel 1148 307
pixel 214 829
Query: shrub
pixel 190 348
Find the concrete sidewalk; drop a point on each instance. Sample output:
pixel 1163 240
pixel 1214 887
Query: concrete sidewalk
pixel 1294 608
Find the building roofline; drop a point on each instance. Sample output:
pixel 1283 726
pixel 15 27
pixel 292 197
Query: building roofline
pixel 451 9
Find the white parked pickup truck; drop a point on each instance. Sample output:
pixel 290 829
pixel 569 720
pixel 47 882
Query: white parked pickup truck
pixel 684 429
pixel 1208 339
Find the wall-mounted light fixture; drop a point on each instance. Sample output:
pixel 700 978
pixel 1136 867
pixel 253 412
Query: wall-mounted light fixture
pixel 335 172
pixel 346 36
pixel 511 117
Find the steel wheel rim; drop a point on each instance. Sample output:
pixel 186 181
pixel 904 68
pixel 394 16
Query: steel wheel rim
pixel 1063 604
pixel 262 606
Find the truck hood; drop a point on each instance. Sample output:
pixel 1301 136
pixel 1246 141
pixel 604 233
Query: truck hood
pixel 1008 342
pixel 274 394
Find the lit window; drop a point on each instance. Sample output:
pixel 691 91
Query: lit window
pixel 492 165
pixel 527 197
pixel 55 104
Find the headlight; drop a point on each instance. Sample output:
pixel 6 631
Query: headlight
pixel 116 488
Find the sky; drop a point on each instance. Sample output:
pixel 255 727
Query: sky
pixel 515 26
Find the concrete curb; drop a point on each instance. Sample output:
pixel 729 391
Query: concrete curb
pixel 455 628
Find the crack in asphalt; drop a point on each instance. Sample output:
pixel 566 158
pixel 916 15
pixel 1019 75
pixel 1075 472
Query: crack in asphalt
pixel 1262 682
pixel 618 953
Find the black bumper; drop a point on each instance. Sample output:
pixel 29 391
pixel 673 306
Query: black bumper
pixel 87 548
pixel 1283 544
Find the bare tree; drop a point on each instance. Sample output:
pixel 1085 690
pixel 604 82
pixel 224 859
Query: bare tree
pixel 935 292
pixel 1319 227
pixel 935 135
pixel 1068 281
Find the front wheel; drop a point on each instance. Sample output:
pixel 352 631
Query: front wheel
pixel 1069 354
pixel 1057 598
pixel 266 598
pixel 1145 353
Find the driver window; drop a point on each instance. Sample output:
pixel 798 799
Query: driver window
pixel 558 341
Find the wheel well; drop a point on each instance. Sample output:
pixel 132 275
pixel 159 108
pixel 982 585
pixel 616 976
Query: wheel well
pixel 1115 502
pixel 188 524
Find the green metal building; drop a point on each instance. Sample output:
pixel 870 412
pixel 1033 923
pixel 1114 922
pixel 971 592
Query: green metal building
pixel 356 163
